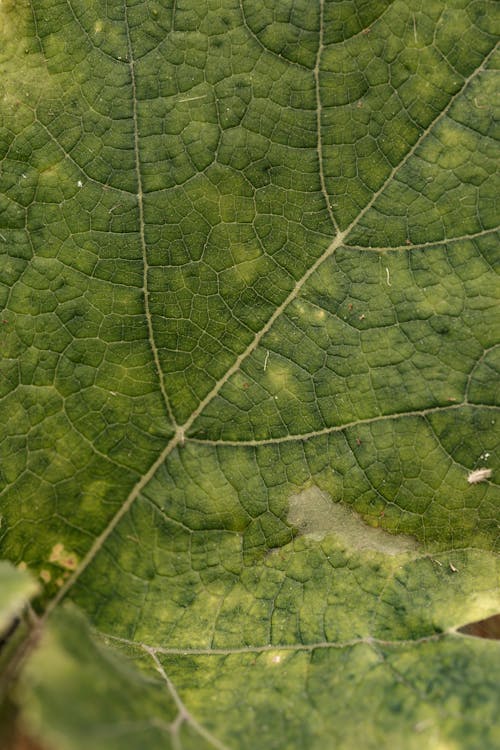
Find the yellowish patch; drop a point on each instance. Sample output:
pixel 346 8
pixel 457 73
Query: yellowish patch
pixel 64 559
pixel 275 658
pixel 319 315
pixel 249 270
pixel 279 373
pixel 479 607
pixel 45 576
pixel 9 19
pixel 93 497
pixel 53 173
pixel 25 77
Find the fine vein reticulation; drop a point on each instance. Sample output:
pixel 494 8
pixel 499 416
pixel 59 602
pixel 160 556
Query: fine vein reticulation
pixel 341 239
pixel 262 238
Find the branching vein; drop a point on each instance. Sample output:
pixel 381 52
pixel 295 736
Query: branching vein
pixel 337 428
pixel 183 714
pixel 140 203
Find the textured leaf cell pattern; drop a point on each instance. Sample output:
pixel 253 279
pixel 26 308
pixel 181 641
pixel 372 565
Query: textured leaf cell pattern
pixel 249 359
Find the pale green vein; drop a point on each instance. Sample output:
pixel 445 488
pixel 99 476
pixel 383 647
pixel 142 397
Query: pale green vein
pixel 276 647
pixel 183 714
pixel 319 112
pixel 337 428
pixel 473 369
pixel 140 203
pixel 423 245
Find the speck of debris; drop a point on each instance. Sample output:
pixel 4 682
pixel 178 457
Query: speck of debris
pixel 479 475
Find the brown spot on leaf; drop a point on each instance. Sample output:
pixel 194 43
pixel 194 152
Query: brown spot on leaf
pixel 61 557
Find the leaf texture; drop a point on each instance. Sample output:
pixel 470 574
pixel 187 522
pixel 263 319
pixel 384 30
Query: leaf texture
pixel 249 359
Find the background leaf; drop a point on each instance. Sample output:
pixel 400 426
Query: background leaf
pixel 248 360
pixel 16 589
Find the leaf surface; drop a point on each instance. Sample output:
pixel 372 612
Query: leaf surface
pixel 249 352
pixel 16 589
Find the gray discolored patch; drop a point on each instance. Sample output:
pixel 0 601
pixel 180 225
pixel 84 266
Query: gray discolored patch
pixel 316 515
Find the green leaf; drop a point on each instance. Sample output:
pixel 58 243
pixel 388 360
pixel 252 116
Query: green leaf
pixel 126 706
pixel 249 360
pixel 16 589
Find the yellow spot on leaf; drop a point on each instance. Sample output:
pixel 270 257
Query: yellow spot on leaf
pixel 273 658
pixel 64 559
pixel 45 576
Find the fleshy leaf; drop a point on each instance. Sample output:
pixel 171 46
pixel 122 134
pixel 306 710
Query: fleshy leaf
pixel 249 374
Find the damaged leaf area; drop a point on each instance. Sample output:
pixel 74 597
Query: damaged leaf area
pixel 249 374
pixel 316 515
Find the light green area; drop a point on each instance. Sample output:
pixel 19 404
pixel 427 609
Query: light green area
pixel 248 289
pixel 314 696
pixel 69 668
pixel 372 334
pixel 315 515
pixel 16 589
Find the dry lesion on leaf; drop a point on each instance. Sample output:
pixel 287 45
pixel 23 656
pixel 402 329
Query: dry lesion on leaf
pixel 316 515
pixel 60 556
